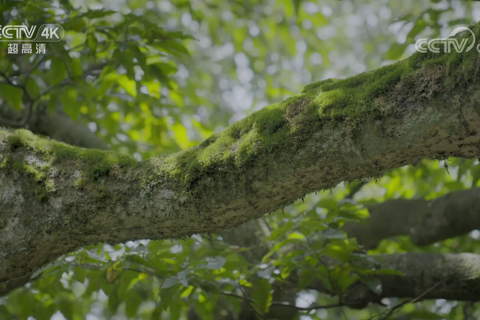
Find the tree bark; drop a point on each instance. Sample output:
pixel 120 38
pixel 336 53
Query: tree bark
pixel 426 222
pixel 430 275
pixel 55 198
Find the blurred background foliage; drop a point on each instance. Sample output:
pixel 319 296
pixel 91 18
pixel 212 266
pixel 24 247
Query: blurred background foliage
pixel 152 77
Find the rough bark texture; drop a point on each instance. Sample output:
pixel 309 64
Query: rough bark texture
pixel 426 222
pixel 55 198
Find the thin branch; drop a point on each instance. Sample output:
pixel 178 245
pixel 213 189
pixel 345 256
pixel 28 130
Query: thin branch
pixel 398 306
pixel 39 62
pixel 56 86
pixel 356 188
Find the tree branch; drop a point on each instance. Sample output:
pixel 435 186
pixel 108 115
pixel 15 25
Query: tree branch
pixel 55 198
pixel 426 222
pixel 426 276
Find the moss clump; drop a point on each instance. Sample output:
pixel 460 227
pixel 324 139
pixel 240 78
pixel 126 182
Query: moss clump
pixel 94 163
pixel 36 176
pixel 49 186
pixel 4 162
pixel 80 182
pixel 41 193
pixel 14 141
pixel 353 98
pixel 24 138
pixel 461 67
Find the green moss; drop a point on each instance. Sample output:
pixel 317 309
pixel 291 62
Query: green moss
pixel 4 163
pixel 14 141
pixel 49 186
pixel 284 126
pixel 94 163
pixel 24 138
pixel 80 182
pixel 353 98
pixel 30 170
pixel 41 193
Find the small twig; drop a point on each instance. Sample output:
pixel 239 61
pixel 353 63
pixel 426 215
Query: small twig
pixel 286 304
pixel 356 188
pixel 39 62
pixel 7 79
pixel 398 306
pixel 58 85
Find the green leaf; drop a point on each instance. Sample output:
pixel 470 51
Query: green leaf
pixel 66 307
pixel 396 51
pixel 12 95
pixel 92 42
pixel 113 300
pixel 173 47
pixel 76 67
pixel 32 88
pixel 142 60
pixel 107 81
pixel 58 71
pixel 166 296
pixel 70 104
pixel 132 302
pixel 296 236
pixel 170 282
pixel 139 260
pixel 79 274
pixel 129 85
pixel 275 249
pixel 306 277
pixel 262 295
pixel 127 281
pixel 4 312
pixel 157 312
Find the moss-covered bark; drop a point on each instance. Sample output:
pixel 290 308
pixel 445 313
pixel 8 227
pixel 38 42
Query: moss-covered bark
pixel 55 198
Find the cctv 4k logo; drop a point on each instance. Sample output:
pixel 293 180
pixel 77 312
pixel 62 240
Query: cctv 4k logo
pixel 22 33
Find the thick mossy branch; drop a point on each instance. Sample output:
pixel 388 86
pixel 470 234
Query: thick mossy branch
pixel 91 163
pixel 56 198
pixel 352 101
pixel 94 163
